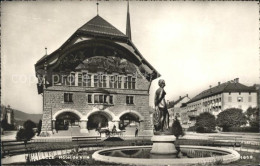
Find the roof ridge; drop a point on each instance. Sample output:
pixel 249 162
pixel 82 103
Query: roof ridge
pixel 100 26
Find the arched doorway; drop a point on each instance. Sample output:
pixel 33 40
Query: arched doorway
pixel 129 120
pixel 66 120
pixel 97 121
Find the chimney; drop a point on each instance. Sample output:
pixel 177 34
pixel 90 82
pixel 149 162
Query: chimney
pixel 210 87
pixel 237 80
pixel 187 95
pixel 180 97
pixel 219 83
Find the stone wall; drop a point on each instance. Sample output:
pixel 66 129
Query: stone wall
pixel 54 102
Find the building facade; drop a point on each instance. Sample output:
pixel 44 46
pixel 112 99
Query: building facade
pixel 231 94
pixel 177 110
pixel 96 79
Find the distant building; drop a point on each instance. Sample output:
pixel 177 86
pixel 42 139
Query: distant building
pixel 257 88
pixel 8 114
pixel 177 109
pixel 231 94
pixel 96 79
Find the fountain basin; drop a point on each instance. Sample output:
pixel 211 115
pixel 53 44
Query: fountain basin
pixel 118 155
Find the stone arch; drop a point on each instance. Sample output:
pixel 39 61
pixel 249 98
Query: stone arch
pixel 107 112
pixel 81 117
pixel 141 118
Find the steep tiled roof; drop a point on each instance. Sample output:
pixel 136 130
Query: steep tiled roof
pixel 98 25
pixel 225 87
pixel 173 103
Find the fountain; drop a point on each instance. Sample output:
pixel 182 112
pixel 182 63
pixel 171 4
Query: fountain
pixel 163 150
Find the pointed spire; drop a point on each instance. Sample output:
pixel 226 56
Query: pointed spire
pixel 97 7
pixel 128 26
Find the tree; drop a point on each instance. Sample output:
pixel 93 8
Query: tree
pixel 205 122
pixel 253 117
pixel 4 124
pixel 29 124
pixel 177 128
pixel 232 117
pixel 27 132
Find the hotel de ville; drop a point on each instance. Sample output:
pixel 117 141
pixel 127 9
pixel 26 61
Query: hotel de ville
pixel 97 78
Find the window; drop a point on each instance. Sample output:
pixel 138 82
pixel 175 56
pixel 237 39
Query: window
pixel 71 79
pixel 129 82
pixel 79 79
pixel 89 98
pixel 111 81
pixel 100 80
pixel 249 98
pixel 96 99
pixel 104 81
pixel 85 79
pixel 119 81
pixel 229 99
pixel 68 97
pixel 129 99
pixel 125 83
pixel 103 99
pixel 106 99
pixel 89 80
pixel 111 100
pixel 133 83
pixel 95 81
pixel 115 82
pixel 240 99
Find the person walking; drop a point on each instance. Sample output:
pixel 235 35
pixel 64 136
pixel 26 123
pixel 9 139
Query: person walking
pixel 136 132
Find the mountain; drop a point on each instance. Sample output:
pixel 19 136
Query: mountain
pixel 21 117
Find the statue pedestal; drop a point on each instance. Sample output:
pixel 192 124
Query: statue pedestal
pixel 163 144
pixel 83 130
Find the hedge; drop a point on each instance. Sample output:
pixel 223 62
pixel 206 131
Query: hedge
pixel 243 129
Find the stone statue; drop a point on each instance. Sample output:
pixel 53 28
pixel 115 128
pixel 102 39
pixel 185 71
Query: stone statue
pixel 161 114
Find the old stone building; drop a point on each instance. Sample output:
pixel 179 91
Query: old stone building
pixel 97 78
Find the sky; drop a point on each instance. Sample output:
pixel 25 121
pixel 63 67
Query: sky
pixel 191 44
